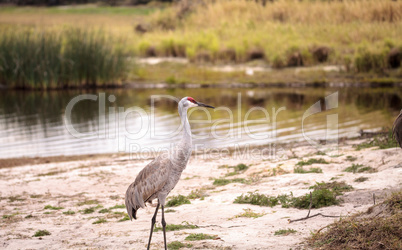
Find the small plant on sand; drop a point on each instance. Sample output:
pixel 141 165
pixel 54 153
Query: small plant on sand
pixel 351 158
pixel 257 199
pixel 337 187
pixel 88 210
pixel 53 208
pixel 104 211
pixel 239 168
pixel 197 194
pixel 177 200
pixel 88 202
pixel 359 168
pixel 285 231
pixel 312 161
pixel 126 217
pixel 300 170
pixel 175 227
pixel 248 213
pixel 99 221
pixel 177 245
pixel 118 206
pixel 170 211
pixel 69 212
pixel 361 179
pixel 200 236
pixel 41 233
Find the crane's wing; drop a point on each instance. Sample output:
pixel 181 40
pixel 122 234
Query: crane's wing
pixel 397 129
pixel 149 181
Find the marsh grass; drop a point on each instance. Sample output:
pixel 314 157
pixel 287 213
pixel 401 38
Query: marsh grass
pixel 337 187
pixel 380 141
pixel 361 179
pixel 285 231
pixel 248 213
pixel 99 221
pixel 359 168
pixel 88 210
pixel 239 168
pixel 200 236
pixel 177 200
pixel 69 58
pixel 41 233
pixel 312 161
pixel 69 212
pixel 174 245
pixel 365 230
pixel 118 206
pixel 301 170
pixel 197 194
pixel 175 227
pixel 88 202
pixel 53 208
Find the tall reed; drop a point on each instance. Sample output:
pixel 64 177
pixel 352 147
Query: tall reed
pixel 50 59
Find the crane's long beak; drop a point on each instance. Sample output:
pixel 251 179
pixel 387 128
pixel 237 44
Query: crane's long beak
pixel 204 105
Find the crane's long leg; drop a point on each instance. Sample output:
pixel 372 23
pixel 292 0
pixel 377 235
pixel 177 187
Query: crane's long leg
pixel 153 224
pixel 164 226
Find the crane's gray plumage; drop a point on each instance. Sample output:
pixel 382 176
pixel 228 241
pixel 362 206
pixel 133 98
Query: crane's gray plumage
pixel 160 176
pixel 397 129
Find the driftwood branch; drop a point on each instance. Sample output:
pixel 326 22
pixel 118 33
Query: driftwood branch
pixel 308 215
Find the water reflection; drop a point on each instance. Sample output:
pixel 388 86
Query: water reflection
pixel 34 123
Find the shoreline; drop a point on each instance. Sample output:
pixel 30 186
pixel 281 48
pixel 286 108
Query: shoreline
pixel 81 203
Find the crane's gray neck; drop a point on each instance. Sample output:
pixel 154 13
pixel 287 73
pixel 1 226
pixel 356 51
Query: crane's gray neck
pixel 186 125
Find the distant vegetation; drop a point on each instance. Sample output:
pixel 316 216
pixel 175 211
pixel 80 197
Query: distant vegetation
pixel 70 58
pixel 48 48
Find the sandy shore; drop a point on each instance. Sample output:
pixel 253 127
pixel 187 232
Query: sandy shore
pixel 101 182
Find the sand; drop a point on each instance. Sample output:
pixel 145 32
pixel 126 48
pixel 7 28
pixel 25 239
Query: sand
pixel 102 181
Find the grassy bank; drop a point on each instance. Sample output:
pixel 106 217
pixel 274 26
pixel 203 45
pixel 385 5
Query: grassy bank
pixel 360 36
pixel 70 58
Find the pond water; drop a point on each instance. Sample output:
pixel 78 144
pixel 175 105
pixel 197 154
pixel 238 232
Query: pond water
pixel 146 120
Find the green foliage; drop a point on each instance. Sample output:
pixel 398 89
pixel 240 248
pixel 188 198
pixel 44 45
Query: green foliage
pixel 312 161
pixel 361 179
pixel 239 168
pixel 177 245
pixel 69 212
pixel 125 218
pixel 104 211
pixel 200 236
pixel 70 58
pixel 257 199
pixel 99 221
pixel 351 158
pixel 221 182
pixel 41 233
pixel 177 200
pixel 53 208
pixel 285 231
pixel 300 170
pixel 197 194
pixel 320 198
pixel 117 206
pixel 174 227
pixel 359 168
pixel 380 141
pixel 88 202
pixel 248 213
pixel 337 187
pixel 88 210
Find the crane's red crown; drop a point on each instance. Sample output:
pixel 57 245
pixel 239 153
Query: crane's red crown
pixel 191 100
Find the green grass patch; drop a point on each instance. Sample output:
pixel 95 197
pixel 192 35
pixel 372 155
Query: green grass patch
pixel 99 221
pixel 285 231
pixel 104 211
pixel 15 198
pixel 177 245
pixel 118 206
pixel 361 179
pixel 380 141
pixel 177 200
pixel 53 208
pixel 351 158
pixel 301 170
pixel 248 213
pixel 200 236
pixel 359 168
pixel 337 187
pixel 88 210
pixel 41 233
pixel 125 218
pixel 312 161
pixel 257 199
pixel 69 212
pixel 197 194
pixel 175 227
pixel 88 202
pixel 170 211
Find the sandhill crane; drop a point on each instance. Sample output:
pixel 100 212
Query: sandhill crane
pixel 397 129
pixel 160 176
